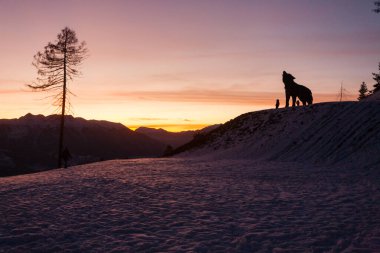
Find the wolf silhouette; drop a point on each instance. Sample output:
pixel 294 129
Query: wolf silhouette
pixel 294 90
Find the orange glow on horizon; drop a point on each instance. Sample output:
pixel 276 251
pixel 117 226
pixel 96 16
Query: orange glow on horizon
pixel 170 110
pixel 172 127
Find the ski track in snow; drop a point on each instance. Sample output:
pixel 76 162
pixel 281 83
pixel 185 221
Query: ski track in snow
pixel 188 205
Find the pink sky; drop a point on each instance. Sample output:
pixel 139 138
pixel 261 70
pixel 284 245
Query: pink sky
pixel 186 64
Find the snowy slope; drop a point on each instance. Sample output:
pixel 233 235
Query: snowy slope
pixel 326 133
pixel 184 205
pixel 373 97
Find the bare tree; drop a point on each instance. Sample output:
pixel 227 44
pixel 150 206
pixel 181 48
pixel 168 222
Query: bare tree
pixel 56 64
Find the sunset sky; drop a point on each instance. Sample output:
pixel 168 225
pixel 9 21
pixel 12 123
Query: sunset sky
pixel 180 64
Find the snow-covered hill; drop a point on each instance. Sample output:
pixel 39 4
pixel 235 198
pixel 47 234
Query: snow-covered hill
pixel 326 133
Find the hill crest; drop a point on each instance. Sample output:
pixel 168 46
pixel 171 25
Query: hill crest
pixel 323 133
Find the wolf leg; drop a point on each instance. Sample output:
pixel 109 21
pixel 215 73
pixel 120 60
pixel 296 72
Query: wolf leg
pixel 294 101
pixel 287 98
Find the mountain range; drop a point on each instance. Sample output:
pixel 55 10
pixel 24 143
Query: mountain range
pixel 174 139
pixel 29 144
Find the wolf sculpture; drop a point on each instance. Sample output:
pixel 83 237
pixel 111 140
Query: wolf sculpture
pixel 294 90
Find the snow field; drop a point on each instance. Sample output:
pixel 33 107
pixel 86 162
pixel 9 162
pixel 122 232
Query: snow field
pixel 188 205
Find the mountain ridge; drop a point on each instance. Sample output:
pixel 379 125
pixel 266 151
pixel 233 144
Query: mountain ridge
pixel 29 143
pixel 174 139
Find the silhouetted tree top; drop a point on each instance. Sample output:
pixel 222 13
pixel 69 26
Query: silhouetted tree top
pixel 58 61
pixel 363 91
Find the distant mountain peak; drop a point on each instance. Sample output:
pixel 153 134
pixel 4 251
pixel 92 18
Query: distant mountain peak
pixel 143 129
pixel 30 116
pixel 174 139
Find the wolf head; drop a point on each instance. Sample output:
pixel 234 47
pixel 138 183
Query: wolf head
pixel 287 78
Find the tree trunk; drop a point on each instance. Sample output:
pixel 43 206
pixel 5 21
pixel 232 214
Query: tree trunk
pixel 62 125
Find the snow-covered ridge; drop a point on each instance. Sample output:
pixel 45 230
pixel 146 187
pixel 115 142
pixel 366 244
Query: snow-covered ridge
pixel 346 132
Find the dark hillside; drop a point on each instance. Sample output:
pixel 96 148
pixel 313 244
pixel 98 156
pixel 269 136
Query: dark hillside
pixel 30 143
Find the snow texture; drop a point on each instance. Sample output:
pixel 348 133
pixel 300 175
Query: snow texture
pixel 325 133
pixel 188 205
